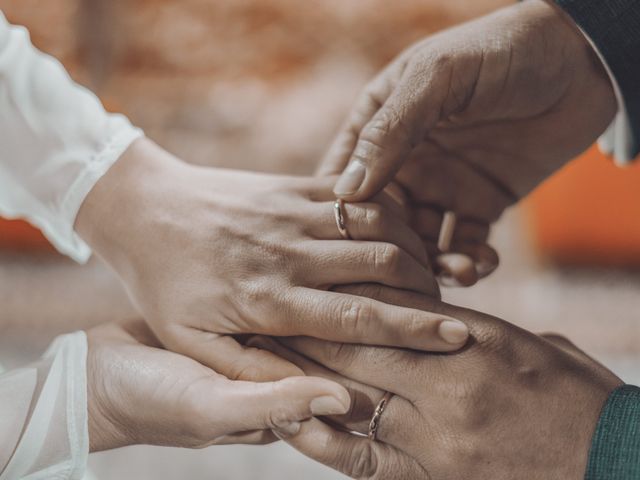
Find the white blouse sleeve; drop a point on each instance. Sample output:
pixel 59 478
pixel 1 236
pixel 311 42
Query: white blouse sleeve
pixel 56 141
pixel 43 415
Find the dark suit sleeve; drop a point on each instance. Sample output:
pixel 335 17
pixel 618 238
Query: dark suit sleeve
pixel 614 28
pixel 615 448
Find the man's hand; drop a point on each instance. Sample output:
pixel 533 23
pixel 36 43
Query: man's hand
pixel 139 393
pixel 511 405
pixel 473 118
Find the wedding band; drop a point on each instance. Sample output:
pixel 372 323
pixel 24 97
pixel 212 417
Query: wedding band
pixel 447 228
pixel 338 210
pixel 377 413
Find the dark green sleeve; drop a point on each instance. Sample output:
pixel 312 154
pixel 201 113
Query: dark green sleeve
pixel 615 449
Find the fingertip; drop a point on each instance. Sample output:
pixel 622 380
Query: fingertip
pixel 453 332
pixel 456 269
pixel 350 181
pixel 487 260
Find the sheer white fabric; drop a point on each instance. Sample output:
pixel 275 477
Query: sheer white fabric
pixel 43 415
pixel 56 141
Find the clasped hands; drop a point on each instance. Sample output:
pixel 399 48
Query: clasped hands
pixel 469 120
pixel 506 401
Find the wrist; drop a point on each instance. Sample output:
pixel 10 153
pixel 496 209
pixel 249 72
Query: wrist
pixel 123 195
pixel 570 35
pixel 106 429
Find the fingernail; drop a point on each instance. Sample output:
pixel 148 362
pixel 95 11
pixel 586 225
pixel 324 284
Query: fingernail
pixel 453 332
pixel 351 179
pixel 286 430
pixel 327 405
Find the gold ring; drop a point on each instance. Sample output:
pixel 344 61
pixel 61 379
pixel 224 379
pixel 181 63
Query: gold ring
pixel 338 210
pixel 377 413
pixel 447 227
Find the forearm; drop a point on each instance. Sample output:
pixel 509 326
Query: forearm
pixel 56 140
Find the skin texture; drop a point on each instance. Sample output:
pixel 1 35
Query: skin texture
pixel 471 120
pixel 206 252
pixel 139 393
pixel 510 405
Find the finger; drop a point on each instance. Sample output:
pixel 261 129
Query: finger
pixel 427 222
pixel 354 456
pixel 355 319
pixel 482 327
pixel 347 261
pixel 226 356
pixel 279 406
pixel 382 367
pixel 370 222
pixel 365 107
pixel 485 258
pixel 396 200
pixel 386 141
pixel 399 414
pixel 453 271
pixel 456 270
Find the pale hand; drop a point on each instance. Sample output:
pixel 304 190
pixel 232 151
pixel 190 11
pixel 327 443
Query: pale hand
pixel 205 253
pixel 138 393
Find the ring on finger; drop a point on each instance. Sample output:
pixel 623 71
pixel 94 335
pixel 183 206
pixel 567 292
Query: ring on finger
pixel 377 415
pixel 339 212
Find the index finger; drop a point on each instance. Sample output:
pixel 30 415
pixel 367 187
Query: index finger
pixel 354 319
pixel 367 104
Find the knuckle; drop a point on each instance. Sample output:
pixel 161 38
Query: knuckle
pixel 373 215
pixel 354 316
pixel 278 418
pixel 360 462
pixel 386 258
pixel 198 428
pixel 492 336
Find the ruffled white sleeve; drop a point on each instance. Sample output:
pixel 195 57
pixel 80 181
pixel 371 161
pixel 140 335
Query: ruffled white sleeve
pixel 43 415
pixel 56 141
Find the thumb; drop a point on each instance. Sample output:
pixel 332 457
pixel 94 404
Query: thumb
pixel 388 138
pixel 282 405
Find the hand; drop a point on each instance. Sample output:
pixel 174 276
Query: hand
pixel 509 405
pixel 206 252
pixel 473 118
pixel 140 394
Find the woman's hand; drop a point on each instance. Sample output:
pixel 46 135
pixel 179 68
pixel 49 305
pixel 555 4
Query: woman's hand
pixel 472 119
pixel 207 252
pixel 138 393
pixel 511 405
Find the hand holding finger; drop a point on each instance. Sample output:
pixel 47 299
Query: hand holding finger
pixel 354 319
